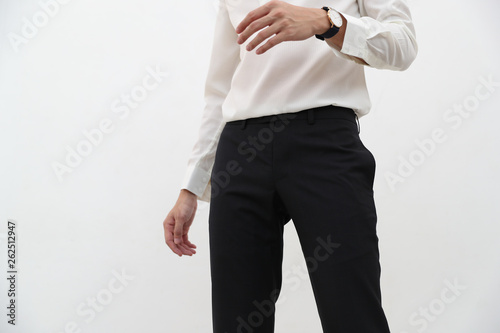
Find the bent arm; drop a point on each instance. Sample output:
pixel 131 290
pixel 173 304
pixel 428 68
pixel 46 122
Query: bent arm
pixel 383 37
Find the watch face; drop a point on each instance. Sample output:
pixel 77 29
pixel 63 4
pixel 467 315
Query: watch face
pixel 335 17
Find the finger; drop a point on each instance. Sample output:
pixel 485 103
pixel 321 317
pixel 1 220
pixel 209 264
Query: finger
pixel 169 235
pixel 178 231
pixel 252 16
pixel 180 249
pixel 254 27
pixel 261 36
pixel 175 248
pixel 187 242
pixel 186 250
pixel 270 43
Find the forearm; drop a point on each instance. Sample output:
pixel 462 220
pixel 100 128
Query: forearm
pixel 323 25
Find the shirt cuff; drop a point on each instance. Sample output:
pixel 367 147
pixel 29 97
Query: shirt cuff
pixel 197 181
pixel 352 46
pixel 355 37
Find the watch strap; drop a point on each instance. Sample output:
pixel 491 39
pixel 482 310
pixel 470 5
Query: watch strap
pixel 330 32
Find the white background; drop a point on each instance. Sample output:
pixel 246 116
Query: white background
pixel 438 227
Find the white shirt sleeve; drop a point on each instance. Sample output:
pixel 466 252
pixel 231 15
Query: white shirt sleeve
pixel 384 35
pixel 224 59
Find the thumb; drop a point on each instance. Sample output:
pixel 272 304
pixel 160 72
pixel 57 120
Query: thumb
pixel 178 230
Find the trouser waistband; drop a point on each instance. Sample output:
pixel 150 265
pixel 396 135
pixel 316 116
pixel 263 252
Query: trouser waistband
pixel 321 112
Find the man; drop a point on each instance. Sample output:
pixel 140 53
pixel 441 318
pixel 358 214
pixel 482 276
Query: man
pixel 279 141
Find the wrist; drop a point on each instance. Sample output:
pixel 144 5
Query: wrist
pixel 322 23
pixel 187 192
pixel 337 41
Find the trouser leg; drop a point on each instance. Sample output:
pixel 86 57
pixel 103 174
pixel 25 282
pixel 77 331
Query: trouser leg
pixel 325 181
pixel 246 236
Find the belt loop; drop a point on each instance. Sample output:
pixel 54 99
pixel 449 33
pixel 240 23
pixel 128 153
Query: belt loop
pixel 310 116
pixel 243 124
pixel 357 120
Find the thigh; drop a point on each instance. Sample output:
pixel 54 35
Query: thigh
pixel 327 186
pixel 246 237
pixel 326 182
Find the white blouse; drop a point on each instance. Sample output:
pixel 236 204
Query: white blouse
pixel 294 75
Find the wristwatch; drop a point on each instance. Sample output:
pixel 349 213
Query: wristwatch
pixel 335 21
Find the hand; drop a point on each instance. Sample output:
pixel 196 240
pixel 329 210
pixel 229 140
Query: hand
pixel 287 21
pixel 177 223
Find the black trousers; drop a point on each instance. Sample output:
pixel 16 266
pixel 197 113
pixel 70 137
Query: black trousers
pixel 312 168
